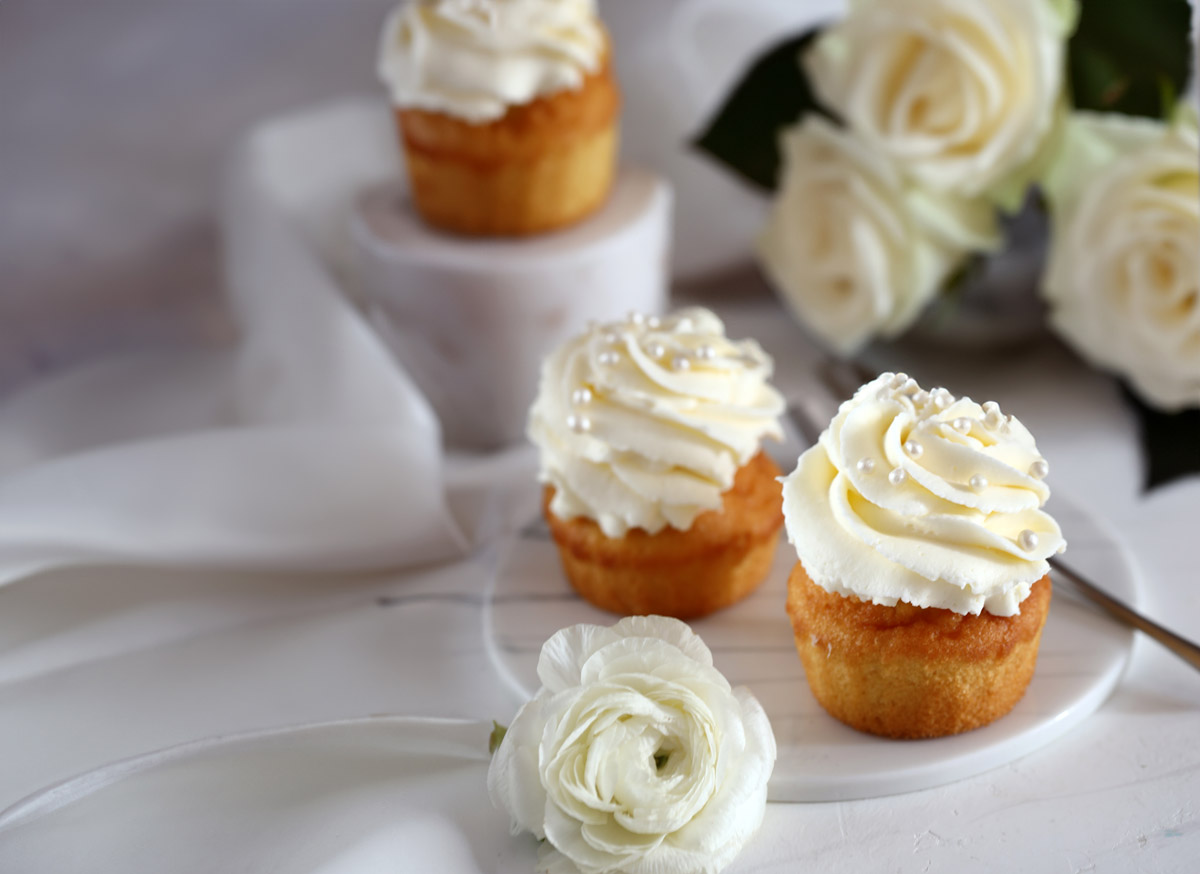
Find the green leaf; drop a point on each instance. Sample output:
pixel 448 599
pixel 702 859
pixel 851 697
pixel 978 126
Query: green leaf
pixel 1130 56
pixel 775 93
pixel 496 737
pixel 1170 442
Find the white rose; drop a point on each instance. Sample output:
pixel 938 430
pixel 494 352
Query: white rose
pixel 855 249
pixel 636 755
pixel 1123 281
pixel 961 93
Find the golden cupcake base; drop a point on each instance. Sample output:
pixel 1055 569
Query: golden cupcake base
pixel 723 557
pixel 909 672
pixel 542 166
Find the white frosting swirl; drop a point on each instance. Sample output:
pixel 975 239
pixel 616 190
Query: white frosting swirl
pixel 473 59
pixel 644 423
pixel 919 497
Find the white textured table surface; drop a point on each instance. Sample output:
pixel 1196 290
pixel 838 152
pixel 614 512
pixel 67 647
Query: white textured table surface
pixel 115 124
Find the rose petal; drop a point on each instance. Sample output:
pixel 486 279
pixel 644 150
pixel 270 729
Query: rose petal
pixel 513 781
pixel 551 861
pixel 564 653
pixel 731 810
pixel 649 657
pixel 667 629
pixel 681 853
pixel 612 838
pixel 566 834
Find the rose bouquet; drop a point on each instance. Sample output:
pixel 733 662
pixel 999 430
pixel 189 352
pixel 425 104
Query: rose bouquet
pixel 898 139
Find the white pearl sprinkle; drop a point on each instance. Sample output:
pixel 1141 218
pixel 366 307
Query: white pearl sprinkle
pixel 658 350
pixel 1027 540
pixel 611 337
pixel 962 425
pixel 978 483
pixel 680 362
pixel 941 398
pixel 913 448
pixel 654 322
pixel 579 424
pixel 706 353
pixel 1040 469
pixel 581 396
pixel 636 317
pixel 897 476
pixel 994 419
pixel 608 357
pixel 866 465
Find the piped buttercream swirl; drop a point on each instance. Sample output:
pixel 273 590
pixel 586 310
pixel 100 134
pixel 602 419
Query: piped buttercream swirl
pixel 921 497
pixel 473 59
pixel 644 423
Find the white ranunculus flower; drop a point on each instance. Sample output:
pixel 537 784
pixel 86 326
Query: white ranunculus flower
pixel 961 93
pixel 1123 281
pixel 636 755
pixel 854 248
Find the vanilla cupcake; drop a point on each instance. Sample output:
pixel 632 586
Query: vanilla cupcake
pixel 657 493
pixel 506 110
pixel 921 588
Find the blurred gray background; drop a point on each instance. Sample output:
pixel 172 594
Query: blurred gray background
pixel 116 116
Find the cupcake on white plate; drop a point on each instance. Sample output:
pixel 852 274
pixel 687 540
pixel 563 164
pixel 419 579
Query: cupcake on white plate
pixel 921 585
pixel 658 493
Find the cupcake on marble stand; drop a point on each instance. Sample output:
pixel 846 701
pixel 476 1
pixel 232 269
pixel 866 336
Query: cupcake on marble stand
pixel 512 227
pixel 506 111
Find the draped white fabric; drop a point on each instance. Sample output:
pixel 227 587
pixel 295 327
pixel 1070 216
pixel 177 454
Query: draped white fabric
pixel 303 448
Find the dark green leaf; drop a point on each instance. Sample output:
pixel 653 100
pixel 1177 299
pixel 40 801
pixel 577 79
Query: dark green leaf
pixel 774 93
pixel 1128 55
pixel 1170 442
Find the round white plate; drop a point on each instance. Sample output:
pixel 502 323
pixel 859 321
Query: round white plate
pixel 1082 656
pixel 368 796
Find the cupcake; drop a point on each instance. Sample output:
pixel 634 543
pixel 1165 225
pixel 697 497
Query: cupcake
pixel 921 588
pixel 506 111
pixel 657 491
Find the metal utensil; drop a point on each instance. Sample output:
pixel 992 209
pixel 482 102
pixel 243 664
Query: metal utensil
pixel 1181 646
pixel 837 379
